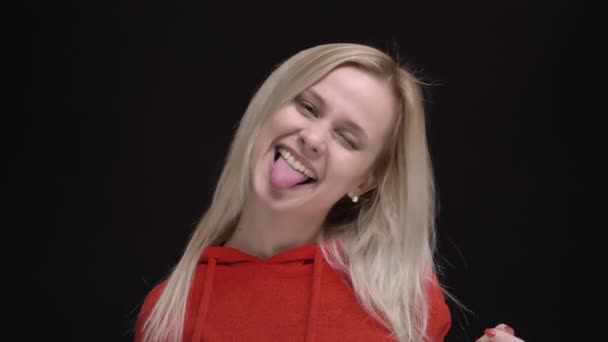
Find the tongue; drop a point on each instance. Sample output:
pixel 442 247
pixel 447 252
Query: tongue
pixel 283 176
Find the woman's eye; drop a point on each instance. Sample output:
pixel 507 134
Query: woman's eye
pixel 347 141
pixel 307 107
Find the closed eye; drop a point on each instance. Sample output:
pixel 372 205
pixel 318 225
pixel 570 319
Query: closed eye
pixel 349 142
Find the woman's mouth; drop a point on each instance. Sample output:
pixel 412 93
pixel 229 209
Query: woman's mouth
pixel 287 172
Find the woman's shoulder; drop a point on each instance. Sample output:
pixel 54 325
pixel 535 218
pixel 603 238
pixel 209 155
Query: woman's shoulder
pixel 152 295
pixel 146 308
pixel 440 319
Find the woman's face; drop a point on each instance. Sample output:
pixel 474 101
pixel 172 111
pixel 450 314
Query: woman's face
pixel 327 138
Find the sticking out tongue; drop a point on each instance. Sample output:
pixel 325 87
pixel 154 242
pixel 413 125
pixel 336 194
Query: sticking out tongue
pixel 283 176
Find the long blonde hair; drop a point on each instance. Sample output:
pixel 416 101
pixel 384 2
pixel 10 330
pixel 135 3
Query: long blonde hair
pixel 385 246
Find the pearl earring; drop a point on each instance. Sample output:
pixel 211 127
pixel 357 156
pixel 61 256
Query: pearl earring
pixel 355 199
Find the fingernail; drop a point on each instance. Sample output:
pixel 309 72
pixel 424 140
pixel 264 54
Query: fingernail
pixel 490 332
pixel 509 330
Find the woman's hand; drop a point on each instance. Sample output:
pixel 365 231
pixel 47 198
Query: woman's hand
pixel 500 333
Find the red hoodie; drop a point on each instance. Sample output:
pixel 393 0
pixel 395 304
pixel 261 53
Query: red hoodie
pixel 292 296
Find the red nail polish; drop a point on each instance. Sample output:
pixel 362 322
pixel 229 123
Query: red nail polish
pixel 490 332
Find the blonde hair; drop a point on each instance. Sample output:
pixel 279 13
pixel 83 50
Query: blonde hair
pixel 385 248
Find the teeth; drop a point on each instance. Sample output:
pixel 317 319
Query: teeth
pixel 296 164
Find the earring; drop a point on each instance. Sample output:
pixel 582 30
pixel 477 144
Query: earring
pixel 355 199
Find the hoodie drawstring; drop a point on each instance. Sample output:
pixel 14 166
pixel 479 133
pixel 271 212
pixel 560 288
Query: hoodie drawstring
pixel 314 298
pixel 204 306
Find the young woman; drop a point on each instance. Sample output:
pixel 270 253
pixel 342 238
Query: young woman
pixel 321 225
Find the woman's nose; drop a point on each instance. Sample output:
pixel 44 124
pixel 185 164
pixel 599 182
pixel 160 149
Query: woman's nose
pixel 313 140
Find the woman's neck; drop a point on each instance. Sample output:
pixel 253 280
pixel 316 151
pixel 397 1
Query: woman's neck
pixel 263 232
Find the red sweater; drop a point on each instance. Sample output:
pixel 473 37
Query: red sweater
pixel 292 296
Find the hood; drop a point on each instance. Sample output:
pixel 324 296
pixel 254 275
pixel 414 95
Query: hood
pixel 230 255
pixel 213 255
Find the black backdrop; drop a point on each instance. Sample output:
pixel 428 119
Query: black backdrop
pixel 127 109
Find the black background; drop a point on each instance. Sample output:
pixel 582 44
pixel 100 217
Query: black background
pixel 126 110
